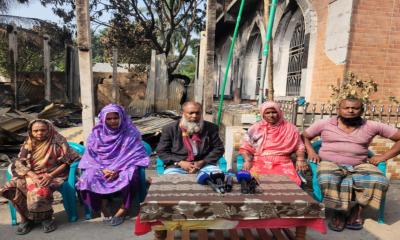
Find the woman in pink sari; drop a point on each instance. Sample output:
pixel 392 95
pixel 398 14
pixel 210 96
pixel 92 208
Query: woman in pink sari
pixel 268 144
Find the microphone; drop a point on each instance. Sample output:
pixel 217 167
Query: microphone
pixel 253 185
pixel 203 179
pixel 218 178
pixel 229 181
pixel 244 177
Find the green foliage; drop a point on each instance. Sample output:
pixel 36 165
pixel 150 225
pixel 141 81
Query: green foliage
pixel 163 25
pixel 3 57
pixel 187 67
pixel 128 38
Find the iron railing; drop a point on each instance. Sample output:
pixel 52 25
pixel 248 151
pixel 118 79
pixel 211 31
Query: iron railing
pixel 305 114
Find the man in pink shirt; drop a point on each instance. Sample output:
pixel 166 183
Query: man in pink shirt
pixel 345 172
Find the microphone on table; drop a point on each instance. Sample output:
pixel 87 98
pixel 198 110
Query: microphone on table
pixel 244 178
pixel 203 179
pixel 218 178
pixel 229 180
pixel 253 184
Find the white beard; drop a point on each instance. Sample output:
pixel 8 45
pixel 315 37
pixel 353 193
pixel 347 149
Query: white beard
pixel 192 127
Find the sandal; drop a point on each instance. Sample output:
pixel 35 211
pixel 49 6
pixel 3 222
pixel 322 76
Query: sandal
pixel 49 226
pixel 337 222
pixel 356 225
pixel 24 228
pixel 115 221
pixel 107 220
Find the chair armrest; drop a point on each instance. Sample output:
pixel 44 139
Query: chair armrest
pixel 147 147
pixel 222 164
pixel 315 185
pixel 382 166
pixel 159 166
pixel 239 162
pixel 143 186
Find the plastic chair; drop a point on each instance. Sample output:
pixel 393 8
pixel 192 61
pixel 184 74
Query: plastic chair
pixel 160 165
pixel 67 189
pixel 142 178
pixel 317 190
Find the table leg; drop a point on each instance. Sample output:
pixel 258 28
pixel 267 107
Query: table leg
pixel 185 234
pixel 202 234
pixel 301 233
pixel 170 235
pixel 160 234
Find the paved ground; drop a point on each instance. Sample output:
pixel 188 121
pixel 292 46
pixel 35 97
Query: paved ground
pixel 94 229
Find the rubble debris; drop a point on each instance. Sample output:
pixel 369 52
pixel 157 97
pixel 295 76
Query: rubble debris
pixel 6 95
pixel 54 111
pixel 4 160
pixel 13 124
pixel 150 128
pixel 12 121
pixel 10 138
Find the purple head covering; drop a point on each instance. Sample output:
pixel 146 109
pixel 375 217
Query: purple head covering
pixel 118 149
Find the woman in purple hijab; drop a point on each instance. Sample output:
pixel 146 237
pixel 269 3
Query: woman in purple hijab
pixel 114 152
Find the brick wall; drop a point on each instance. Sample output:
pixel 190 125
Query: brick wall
pixel 374 47
pixel 380 145
pixel 325 72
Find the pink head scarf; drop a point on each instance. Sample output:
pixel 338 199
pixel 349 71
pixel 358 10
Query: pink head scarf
pixel 263 138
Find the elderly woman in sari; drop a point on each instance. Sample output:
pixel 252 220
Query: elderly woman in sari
pixel 268 144
pixel 110 163
pixel 40 169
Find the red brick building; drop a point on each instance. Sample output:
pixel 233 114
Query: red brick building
pixel 315 43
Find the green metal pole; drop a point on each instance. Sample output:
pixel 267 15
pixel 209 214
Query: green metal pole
pixel 228 64
pixel 271 18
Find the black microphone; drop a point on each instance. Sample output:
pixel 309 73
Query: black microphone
pixel 244 177
pixel 229 181
pixel 253 185
pixel 218 178
pixel 203 179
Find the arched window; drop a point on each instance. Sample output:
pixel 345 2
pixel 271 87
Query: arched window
pixel 250 82
pixel 296 56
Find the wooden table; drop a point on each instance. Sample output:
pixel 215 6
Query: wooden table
pixel 177 202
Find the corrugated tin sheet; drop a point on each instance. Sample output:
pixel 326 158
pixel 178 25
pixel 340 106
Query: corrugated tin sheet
pixel 151 125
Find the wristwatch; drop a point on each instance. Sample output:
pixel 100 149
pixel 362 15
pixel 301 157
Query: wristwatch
pixel 177 163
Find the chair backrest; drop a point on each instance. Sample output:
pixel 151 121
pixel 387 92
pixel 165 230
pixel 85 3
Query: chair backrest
pixel 80 149
pixel 147 148
pixel 317 145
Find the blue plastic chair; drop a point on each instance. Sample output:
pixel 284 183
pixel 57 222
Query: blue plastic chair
pixel 67 190
pixel 160 165
pixel 317 190
pixel 141 195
